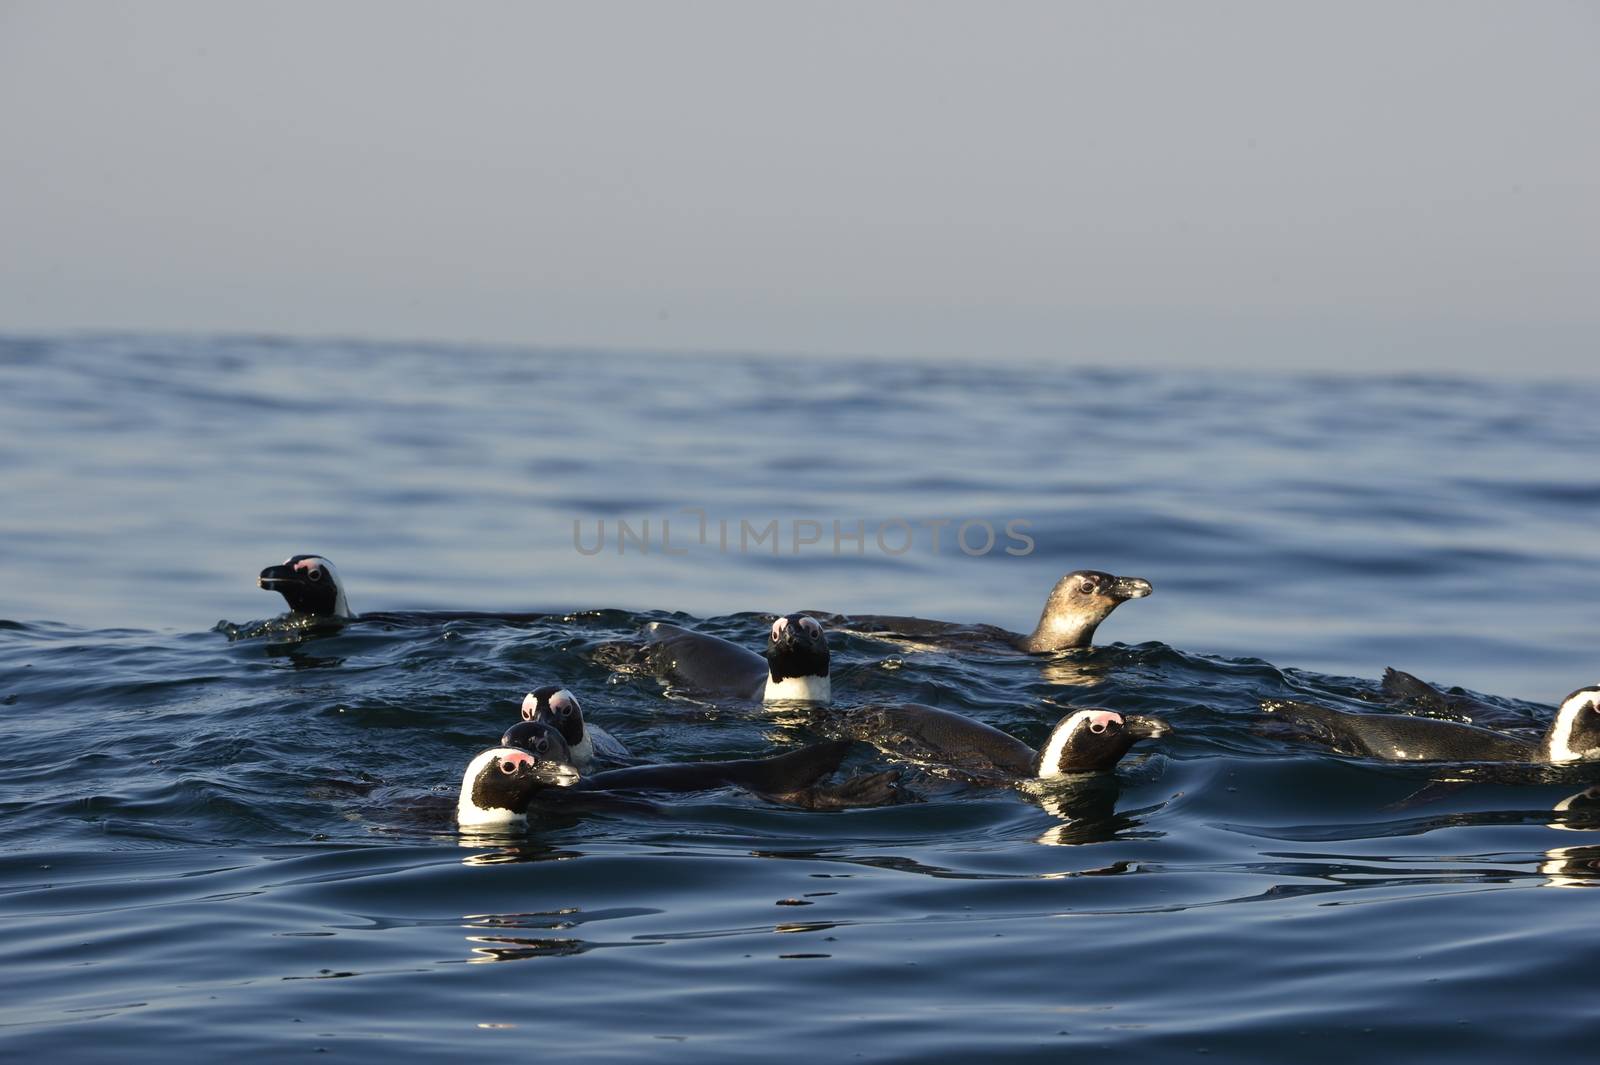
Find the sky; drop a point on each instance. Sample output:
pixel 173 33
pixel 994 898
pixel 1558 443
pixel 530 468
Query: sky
pixel 1395 185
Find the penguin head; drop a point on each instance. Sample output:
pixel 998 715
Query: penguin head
pixel 797 647
pixel 1574 735
pixel 1078 603
pixel 1088 741
pixel 538 738
pixel 500 782
pixel 558 708
pixel 309 584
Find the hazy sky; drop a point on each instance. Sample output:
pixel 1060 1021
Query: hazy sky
pixel 1342 184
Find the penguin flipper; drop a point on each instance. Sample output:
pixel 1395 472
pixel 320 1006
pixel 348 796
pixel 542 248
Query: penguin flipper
pixel 786 774
pixel 1407 688
pixel 1453 705
pixel 779 775
pixel 864 789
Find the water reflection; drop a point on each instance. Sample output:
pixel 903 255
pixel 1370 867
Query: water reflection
pixel 508 847
pixel 508 948
pixel 1580 812
pixel 502 945
pixel 1579 866
pixel 1073 669
pixel 1087 810
pixel 900 863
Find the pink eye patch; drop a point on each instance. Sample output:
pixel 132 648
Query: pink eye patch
pixel 510 762
pixel 1100 720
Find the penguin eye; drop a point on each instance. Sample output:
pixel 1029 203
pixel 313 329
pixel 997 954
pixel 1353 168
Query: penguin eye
pixel 1097 727
pixel 542 746
pixel 313 575
pixel 508 768
pixel 527 714
pixel 1086 587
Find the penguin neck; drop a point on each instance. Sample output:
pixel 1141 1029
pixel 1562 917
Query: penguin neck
pixel 799 690
pixel 1060 632
pixel 582 751
pixel 340 611
pixel 341 605
pixel 1047 766
pixel 1553 747
pixel 1557 746
pixel 470 815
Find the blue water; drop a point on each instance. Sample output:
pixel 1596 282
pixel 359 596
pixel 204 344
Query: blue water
pixel 215 843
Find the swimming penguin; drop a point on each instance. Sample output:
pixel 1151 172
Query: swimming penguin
pixel 310 585
pixel 313 589
pixel 1573 736
pixel 560 709
pixel 794 667
pixel 1084 741
pixel 500 783
pixel 1077 605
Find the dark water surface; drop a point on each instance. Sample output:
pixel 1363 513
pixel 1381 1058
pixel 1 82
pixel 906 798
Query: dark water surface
pixel 246 845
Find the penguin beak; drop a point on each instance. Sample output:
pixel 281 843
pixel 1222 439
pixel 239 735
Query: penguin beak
pixel 555 774
pixel 273 576
pixel 1130 588
pixel 1145 728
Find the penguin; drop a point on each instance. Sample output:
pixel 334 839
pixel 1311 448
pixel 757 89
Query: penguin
pixel 794 667
pixel 540 738
pixel 1077 605
pixel 1083 741
pixel 500 783
pixel 1573 735
pixel 560 709
pixel 1075 608
pixel 310 585
pixel 313 589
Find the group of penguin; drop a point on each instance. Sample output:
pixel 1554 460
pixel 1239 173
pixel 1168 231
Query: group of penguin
pixel 551 753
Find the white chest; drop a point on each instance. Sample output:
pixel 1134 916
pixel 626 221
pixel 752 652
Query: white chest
pixel 799 690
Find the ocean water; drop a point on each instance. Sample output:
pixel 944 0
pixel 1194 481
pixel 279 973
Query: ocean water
pixel 217 842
